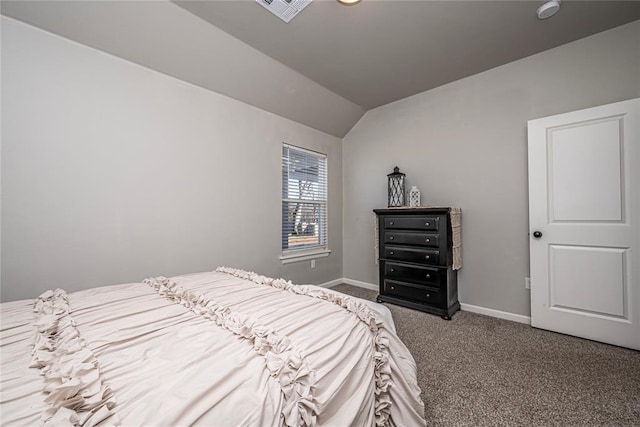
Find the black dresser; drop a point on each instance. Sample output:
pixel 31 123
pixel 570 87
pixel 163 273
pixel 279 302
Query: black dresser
pixel 417 258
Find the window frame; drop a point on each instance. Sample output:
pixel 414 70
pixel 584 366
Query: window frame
pixel 305 253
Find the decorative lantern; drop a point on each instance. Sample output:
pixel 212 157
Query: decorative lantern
pixel 396 188
pixel 414 197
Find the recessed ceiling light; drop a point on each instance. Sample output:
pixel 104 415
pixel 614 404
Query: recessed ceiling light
pixel 349 2
pixel 548 9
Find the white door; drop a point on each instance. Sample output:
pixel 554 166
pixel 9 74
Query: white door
pixel 584 214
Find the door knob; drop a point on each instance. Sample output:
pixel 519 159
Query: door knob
pixel 537 234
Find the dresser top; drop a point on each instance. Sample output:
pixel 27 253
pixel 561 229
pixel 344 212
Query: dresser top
pixel 405 210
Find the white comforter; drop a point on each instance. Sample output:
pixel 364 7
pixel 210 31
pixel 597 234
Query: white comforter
pixel 224 348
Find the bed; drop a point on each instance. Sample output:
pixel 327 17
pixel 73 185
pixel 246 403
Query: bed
pixel 220 348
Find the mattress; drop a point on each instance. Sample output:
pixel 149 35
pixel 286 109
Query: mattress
pixel 221 348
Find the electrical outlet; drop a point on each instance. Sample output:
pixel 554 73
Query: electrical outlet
pixel 313 263
pixel 527 283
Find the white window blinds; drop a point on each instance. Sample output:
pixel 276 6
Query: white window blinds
pixel 304 200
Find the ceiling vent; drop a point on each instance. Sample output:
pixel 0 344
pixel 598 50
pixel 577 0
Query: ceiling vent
pixel 284 9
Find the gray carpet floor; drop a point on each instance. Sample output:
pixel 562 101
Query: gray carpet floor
pixel 477 370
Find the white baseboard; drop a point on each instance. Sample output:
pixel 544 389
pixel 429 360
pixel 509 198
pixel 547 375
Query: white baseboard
pixel 496 313
pixel 331 283
pixel 466 307
pixel 344 280
pixel 360 284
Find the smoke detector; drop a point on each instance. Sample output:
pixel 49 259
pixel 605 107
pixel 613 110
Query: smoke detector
pixel 548 9
pixel 284 9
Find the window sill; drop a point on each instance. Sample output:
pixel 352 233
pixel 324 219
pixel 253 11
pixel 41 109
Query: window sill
pixel 304 256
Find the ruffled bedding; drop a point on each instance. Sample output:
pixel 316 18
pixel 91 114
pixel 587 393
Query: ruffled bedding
pixel 223 348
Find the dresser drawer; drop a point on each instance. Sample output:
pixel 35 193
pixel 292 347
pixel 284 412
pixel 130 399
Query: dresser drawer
pixel 429 223
pixel 411 238
pixel 413 274
pixel 413 292
pixel 422 256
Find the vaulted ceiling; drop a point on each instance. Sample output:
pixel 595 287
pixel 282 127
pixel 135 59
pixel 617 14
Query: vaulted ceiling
pixel 331 63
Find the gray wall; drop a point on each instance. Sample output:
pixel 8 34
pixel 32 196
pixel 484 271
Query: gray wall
pixel 112 172
pixel 464 144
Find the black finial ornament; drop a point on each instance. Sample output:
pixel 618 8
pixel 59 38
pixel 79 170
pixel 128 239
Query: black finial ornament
pixel 396 188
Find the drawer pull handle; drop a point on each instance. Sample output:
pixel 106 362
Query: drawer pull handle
pixel 390 222
pixel 392 270
pixel 392 288
pixel 391 253
pixel 427 240
pixel 426 224
pixel 428 275
pixel 428 295
pixel 391 238
pixel 426 256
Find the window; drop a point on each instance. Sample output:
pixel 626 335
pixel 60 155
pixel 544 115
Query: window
pixel 304 204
